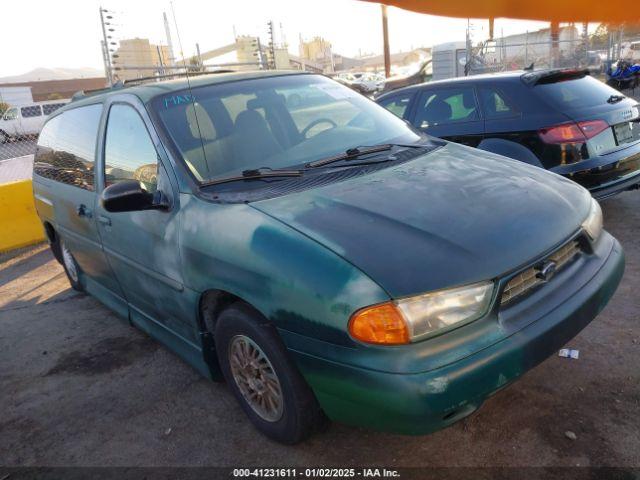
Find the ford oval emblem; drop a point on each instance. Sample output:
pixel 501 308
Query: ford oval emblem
pixel 546 270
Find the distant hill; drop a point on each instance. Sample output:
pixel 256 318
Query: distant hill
pixel 41 74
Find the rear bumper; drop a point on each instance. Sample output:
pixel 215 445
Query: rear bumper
pixel 420 403
pixel 606 175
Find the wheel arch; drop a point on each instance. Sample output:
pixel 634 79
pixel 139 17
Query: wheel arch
pixel 510 149
pixel 211 304
pixel 52 238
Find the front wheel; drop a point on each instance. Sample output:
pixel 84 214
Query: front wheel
pixel 263 379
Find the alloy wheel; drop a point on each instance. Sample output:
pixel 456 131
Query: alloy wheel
pixel 256 379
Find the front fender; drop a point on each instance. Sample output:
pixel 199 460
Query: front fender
pixel 294 281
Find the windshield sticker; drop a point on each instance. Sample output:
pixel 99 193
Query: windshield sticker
pixel 175 100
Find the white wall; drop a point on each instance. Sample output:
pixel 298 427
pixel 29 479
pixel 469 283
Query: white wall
pixel 15 96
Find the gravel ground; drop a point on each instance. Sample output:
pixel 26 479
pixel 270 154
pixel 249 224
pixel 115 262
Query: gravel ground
pixel 82 388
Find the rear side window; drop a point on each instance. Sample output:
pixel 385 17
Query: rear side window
pixel 577 93
pixel 439 107
pixel 397 105
pixel 66 147
pixel 32 111
pixel 129 152
pixel 51 107
pixel 495 104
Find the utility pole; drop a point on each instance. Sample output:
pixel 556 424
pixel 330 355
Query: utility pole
pixel 272 47
pixel 555 44
pixel 385 42
pixel 172 58
pixel 105 42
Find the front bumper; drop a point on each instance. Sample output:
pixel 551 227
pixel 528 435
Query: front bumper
pixel 420 403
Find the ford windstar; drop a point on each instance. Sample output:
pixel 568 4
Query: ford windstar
pixel 320 255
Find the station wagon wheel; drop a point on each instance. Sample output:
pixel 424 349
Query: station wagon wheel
pixel 255 377
pixel 262 376
pixel 70 267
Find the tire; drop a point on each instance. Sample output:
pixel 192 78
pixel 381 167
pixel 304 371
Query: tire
pixel 289 412
pixel 69 264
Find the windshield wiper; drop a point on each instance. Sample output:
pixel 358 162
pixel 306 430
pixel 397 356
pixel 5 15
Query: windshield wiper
pixel 615 98
pixel 253 174
pixel 357 152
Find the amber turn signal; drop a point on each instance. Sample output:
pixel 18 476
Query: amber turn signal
pixel 381 324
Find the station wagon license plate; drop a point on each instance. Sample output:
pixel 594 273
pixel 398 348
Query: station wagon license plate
pixel 624 133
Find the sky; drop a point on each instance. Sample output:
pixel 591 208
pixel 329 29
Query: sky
pixel 66 33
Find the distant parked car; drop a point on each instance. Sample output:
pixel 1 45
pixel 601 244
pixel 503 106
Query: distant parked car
pixel 26 120
pixel 423 74
pixel 562 120
pixel 362 82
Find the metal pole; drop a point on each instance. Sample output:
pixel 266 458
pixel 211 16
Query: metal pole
pixel 200 62
pixel 385 42
pixel 160 69
pixel 555 46
pixel 109 71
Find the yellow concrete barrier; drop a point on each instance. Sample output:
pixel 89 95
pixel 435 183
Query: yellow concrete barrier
pixel 19 223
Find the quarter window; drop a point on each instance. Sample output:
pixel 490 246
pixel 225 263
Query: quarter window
pixel 397 105
pixel 495 104
pixel 66 147
pixel 32 111
pixel 446 106
pixel 129 153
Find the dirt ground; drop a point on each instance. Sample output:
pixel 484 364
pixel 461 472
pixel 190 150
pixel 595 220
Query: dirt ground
pixel 79 387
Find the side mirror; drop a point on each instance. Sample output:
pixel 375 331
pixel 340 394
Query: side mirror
pixel 130 196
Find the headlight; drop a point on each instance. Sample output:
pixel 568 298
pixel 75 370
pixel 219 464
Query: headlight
pixel 593 223
pixel 412 319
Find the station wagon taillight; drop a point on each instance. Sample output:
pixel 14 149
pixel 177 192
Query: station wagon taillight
pixel 573 132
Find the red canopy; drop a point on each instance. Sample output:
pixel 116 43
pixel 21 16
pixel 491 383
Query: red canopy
pixel 543 10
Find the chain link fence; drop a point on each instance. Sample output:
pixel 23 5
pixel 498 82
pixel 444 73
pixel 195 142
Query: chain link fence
pixel 566 47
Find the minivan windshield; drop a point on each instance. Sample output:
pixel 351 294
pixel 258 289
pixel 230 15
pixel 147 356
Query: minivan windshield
pixel 576 93
pixel 272 123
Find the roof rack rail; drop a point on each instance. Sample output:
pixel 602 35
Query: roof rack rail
pixel 139 81
pixel 80 94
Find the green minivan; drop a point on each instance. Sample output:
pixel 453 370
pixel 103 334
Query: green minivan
pixel 284 233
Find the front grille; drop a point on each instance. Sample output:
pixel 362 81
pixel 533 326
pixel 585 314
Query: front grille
pixel 525 281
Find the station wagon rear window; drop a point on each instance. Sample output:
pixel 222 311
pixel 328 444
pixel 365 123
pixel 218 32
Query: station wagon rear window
pixel 575 93
pixel 272 123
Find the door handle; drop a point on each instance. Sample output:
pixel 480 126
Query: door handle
pixel 83 211
pixel 104 220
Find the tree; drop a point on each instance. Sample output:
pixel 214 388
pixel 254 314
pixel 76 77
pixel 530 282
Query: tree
pixel 4 107
pixel 600 38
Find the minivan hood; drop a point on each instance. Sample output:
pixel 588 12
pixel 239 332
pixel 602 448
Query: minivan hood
pixel 454 216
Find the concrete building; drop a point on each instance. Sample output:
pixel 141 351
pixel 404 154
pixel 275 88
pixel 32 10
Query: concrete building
pixel 318 51
pixel 534 47
pixel 137 57
pixel 52 89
